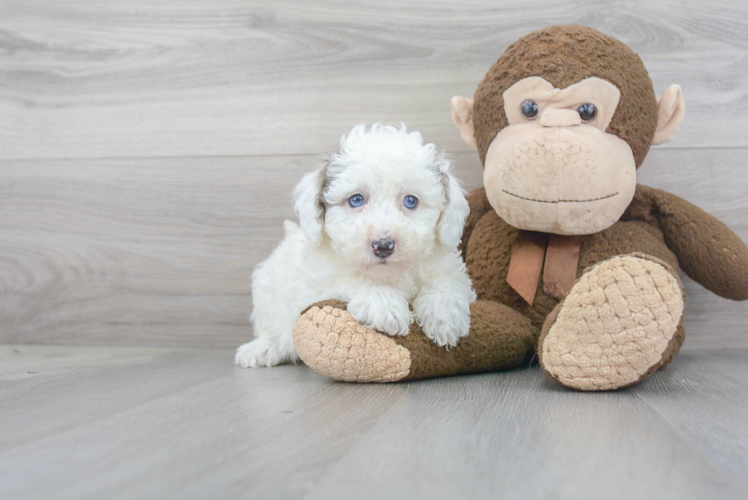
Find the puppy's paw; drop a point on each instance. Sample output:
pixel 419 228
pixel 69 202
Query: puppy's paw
pixel 444 319
pixel 382 310
pixel 259 352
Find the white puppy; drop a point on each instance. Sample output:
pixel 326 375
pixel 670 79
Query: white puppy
pixel 380 227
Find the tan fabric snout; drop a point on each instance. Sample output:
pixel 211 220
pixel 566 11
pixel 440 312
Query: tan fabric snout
pixel 563 180
pixel 560 118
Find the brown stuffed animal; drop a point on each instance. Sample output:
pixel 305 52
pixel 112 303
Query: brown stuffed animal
pixel 572 260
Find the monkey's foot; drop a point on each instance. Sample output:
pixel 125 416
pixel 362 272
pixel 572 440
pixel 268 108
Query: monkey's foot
pixel 331 342
pixel 620 323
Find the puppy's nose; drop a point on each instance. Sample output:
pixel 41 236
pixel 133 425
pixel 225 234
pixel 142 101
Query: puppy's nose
pixel 383 248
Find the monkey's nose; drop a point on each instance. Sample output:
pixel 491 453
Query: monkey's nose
pixel 383 248
pixel 554 117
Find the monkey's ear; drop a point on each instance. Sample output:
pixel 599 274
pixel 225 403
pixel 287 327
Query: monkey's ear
pixel 462 115
pixel 308 205
pixel 670 110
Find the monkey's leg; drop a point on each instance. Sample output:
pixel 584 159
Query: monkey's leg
pixel 334 344
pixel 621 322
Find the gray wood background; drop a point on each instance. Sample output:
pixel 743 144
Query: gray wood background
pixel 177 423
pixel 148 149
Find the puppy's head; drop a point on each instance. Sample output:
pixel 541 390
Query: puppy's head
pixel 384 200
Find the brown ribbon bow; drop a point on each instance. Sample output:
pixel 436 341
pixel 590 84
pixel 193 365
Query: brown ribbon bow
pixel 561 256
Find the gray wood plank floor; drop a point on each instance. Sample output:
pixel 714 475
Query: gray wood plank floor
pixel 163 423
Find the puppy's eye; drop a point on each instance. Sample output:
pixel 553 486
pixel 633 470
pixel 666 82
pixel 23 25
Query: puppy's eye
pixel 356 200
pixel 410 201
pixel 530 109
pixel 587 112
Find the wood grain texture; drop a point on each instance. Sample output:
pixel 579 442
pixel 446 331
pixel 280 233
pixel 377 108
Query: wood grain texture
pixel 104 422
pixel 530 438
pixel 160 251
pixel 94 78
pixel 148 150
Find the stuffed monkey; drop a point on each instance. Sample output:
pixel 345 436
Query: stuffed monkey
pixel 572 260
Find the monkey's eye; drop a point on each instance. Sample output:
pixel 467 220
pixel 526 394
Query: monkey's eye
pixel 356 200
pixel 587 112
pixel 410 202
pixel 530 109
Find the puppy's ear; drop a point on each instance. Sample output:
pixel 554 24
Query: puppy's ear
pixel 453 218
pixel 308 205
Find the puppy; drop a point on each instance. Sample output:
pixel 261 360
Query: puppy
pixel 380 224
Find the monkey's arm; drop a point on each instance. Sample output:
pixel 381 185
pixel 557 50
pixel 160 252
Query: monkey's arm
pixel 479 205
pixel 707 250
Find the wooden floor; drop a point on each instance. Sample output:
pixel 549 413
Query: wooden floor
pixel 163 423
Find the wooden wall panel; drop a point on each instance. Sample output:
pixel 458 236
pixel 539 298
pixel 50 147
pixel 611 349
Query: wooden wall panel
pixel 95 78
pixel 148 149
pixel 160 251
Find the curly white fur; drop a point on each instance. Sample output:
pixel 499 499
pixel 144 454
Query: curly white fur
pixel 330 256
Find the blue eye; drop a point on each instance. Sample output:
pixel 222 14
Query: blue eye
pixel 410 201
pixel 356 200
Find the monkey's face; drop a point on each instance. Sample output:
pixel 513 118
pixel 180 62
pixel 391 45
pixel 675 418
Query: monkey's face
pixel 554 168
pixel 560 153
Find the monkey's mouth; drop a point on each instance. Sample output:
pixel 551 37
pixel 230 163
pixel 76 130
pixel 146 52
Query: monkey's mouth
pixel 560 201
